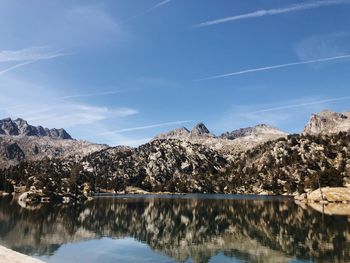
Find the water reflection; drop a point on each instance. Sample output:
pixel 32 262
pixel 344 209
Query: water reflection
pixel 181 228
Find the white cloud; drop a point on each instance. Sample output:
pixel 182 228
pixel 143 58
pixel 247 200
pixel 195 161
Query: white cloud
pixel 247 71
pixel 316 46
pixel 276 11
pixel 68 114
pixel 40 106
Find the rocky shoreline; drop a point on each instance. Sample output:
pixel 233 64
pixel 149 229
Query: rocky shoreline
pixel 326 195
pixel 10 256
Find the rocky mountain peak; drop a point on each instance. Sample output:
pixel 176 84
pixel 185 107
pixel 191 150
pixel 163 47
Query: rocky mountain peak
pixel 178 133
pixel 20 127
pixel 200 129
pixel 328 122
pixel 255 131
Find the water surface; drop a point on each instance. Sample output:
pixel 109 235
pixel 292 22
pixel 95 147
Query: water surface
pixel 190 228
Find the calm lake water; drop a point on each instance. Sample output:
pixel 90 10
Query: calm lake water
pixel 191 228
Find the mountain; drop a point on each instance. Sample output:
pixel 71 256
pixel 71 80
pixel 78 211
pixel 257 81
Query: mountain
pixel 20 127
pixel 200 131
pixel 179 134
pixel 327 122
pixel 256 131
pixel 14 149
pixel 235 141
pixel 20 141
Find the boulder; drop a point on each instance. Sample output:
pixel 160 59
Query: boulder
pixel 330 194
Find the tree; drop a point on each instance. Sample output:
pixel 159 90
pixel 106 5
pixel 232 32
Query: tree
pixel 329 177
pixel 5 185
pixel 75 178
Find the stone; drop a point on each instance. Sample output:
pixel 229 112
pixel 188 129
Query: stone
pixel 330 194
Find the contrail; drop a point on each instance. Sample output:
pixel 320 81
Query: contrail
pixel 29 54
pixel 275 67
pixel 90 94
pixel 16 66
pixel 276 11
pixel 160 4
pixel 26 61
pixel 300 105
pixel 147 127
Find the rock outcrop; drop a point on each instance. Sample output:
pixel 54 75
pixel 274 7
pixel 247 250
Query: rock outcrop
pixel 20 127
pixel 330 194
pixel 200 131
pixel 328 122
pixel 10 256
pixel 178 134
pixel 262 130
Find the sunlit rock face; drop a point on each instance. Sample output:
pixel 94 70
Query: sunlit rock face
pixel 328 122
pixel 256 131
pixel 198 229
pixel 330 194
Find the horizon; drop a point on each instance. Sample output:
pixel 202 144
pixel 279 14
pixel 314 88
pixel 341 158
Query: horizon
pixel 132 70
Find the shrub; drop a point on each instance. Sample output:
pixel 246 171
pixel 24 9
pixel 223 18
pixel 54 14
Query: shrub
pixel 329 177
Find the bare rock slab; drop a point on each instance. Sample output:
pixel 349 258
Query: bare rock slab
pixel 10 256
pixel 330 194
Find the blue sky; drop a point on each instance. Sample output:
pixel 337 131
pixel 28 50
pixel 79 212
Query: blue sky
pixel 120 72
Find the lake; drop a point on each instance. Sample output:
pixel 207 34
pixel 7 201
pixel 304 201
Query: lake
pixel 188 228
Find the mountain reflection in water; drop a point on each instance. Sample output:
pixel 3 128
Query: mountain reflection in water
pixel 178 229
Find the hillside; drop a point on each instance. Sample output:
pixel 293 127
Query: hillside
pixel 285 166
